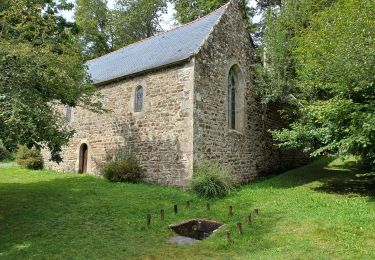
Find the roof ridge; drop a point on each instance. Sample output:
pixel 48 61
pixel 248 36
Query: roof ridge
pixel 164 32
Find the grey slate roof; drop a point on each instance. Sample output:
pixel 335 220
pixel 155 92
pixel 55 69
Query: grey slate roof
pixel 166 48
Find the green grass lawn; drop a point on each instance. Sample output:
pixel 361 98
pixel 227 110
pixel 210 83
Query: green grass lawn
pixel 322 210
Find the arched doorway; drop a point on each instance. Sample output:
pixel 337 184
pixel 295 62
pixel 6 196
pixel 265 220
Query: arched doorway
pixel 83 156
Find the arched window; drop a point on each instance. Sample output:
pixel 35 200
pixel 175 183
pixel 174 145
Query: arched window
pixel 68 114
pixel 138 99
pixel 231 100
pixel 235 99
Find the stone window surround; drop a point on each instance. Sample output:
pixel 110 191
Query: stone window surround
pixel 69 112
pixel 240 100
pixel 138 103
pixel 131 104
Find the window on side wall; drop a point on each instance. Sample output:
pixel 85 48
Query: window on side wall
pixel 68 114
pixel 138 99
pixel 236 99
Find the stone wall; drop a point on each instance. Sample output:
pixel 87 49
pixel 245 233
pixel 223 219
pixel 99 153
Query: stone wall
pixel 184 120
pixel 161 135
pixel 248 151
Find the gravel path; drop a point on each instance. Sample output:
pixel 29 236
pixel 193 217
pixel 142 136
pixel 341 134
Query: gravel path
pixel 7 165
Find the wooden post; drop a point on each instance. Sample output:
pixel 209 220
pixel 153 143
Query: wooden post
pixel 230 211
pixel 256 211
pixel 162 214
pixel 239 228
pixel 208 207
pixel 229 237
pixel 148 219
pixel 249 218
pixel 187 204
pixel 175 209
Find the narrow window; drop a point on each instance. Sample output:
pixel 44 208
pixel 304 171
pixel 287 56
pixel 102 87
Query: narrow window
pixel 236 99
pixel 232 100
pixel 138 102
pixel 68 114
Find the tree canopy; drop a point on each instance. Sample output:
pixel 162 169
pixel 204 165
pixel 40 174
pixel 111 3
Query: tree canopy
pixel 189 10
pixel 103 30
pixel 319 60
pixel 40 66
pixel 94 20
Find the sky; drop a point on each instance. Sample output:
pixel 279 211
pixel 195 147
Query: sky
pixel 168 22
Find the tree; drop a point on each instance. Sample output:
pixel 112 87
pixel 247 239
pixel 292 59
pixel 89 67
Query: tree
pixel 266 4
pixel 40 67
pixel 189 10
pixel 103 30
pixel 135 20
pixel 94 20
pixel 335 59
pixel 276 75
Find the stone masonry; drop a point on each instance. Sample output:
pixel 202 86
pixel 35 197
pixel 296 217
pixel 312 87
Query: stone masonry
pixel 184 119
pixel 161 135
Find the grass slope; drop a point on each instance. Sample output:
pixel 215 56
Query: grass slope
pixel 311 212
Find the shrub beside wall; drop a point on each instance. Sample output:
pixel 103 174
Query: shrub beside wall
pixel 29 158
pixel 211 180
pixel 125 167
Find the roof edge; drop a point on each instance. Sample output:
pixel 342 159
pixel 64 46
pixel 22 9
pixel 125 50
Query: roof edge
pixel 135 74
pixel 225 6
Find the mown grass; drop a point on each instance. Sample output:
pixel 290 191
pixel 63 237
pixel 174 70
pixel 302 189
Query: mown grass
pixel 319 211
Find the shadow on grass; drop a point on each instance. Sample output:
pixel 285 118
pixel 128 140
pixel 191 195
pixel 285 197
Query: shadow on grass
pixel 63 216
pixel 326 175
pixel 349 183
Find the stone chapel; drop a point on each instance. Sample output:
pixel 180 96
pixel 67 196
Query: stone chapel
pixel 178 98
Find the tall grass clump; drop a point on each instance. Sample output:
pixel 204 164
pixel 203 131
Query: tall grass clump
pixel 211 180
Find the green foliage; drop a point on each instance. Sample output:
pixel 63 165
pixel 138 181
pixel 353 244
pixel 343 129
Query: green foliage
pixel 265 4
pixel 94 20
pixel 277 77
pixel 40 66
pixel 104 30
pixel 135 20
pixel 211 180
pixel 4 153
pixel 189 10
pixel 29 158
pixel 336 57
pixel 123 171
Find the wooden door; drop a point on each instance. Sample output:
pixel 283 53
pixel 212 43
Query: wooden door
pixel 83 158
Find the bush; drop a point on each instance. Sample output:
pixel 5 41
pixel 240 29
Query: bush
pixel 126 170
pixel 211 180
pixel 29 158
pixel 4 153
